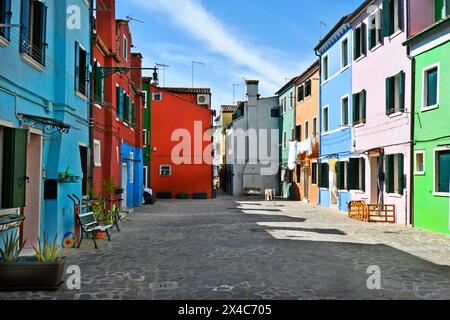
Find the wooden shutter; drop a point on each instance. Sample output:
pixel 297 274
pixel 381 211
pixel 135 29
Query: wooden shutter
pixel 352 174
pixel 389 180
pixel 380 26
pixel 298 173
pixel 14 168
pixel 320 181
pixel 356 43
pixel 118 98
pixel 447 7
pixel 355 97
pixel 401 180
pixel 364 39
pixel 25 26
pixel 363 105
pixel 77 66
pixel 362 168
pixel 325 174
pixel 348 175
pixel 7 13
pixel 133 114
pixel 401 87
pixel 42 10
pixel 386 18
pixel 126 107
pixel 340 175
pixel 400 14
pixel 388 95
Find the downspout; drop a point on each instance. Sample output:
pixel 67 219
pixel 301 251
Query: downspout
pixel 92 92
pixel 412 113
pixel 319 115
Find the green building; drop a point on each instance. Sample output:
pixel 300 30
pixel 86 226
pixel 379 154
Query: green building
pixel 146 128
pixel 286 100
pixel 430 50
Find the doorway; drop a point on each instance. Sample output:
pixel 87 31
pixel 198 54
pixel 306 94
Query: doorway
pixel 334 197
pixel 32 209
pixel 374 188
pixel 306 184
pixel 124 185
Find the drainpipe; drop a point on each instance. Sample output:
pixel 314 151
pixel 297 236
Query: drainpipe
pixel 92 92
pixel 412 113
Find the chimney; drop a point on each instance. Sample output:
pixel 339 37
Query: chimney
pixel 252 91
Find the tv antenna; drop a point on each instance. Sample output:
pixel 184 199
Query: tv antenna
pixel 163 66
pixel 130 18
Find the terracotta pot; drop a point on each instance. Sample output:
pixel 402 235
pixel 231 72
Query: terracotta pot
pixel 100 235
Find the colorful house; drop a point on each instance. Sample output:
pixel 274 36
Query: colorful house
pixel 381 109
pixel 181 145
pixel 44 126
pixel 117 110
pixel 146 129
pixel 429 46
pixel 307 134
pixel 286 99
pixel 335 52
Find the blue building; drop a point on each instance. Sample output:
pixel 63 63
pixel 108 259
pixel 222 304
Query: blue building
pixel 44 126
pixel 131 175
pixel 335 103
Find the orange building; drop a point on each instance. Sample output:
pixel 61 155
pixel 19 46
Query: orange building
pixel 181 145
pixel 307 132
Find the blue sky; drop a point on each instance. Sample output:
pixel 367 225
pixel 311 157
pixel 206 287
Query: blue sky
pixel 265 40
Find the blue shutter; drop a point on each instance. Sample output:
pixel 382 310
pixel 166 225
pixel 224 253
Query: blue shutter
pixel 77 66
pixel 25 27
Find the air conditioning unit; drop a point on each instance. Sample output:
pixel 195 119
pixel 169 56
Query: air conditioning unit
pixel 204 99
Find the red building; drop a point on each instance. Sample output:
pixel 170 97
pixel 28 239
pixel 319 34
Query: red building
pixel 181 142
pixel 117 110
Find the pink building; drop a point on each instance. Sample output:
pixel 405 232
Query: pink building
pixel 381 108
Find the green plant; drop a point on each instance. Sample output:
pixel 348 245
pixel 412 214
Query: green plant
pixel 99 212
pixel 12 247
pixel 47 251
pixel 109 187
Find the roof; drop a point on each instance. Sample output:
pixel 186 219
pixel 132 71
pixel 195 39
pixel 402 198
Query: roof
pixel 287 85
pixel 427 30
pixel 187 90
pixel 307 72
pixel 228 108
pixel 360 9
pixel 331 32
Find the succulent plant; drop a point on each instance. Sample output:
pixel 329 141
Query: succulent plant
pixel 47 251
pixel 12 247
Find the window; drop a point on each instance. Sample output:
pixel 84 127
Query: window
pixel 131 167
pixel 33 30
pixel 81 68
pixel 145 137
pixel 293 134
pixel 395 93
pixel 325 68
pixel 430 87
pixel 308 88
pixel 325 119
pixel 392 16
pixel 359 40
pixel 284 140
pixel 394 176
pixel 291 99
pixel 344 111
pixel 341 175
pixel 323 175
pixel 314 173
pixel 144 99
pixel 299 172
pixel 420 162
pixel 344 53
pixel 359 107
pixel 157 96
pixel 5 18
pixel 97 153
pixel 283 105
pixel 298 132
pixel 145 172
pixel 99 84
pixel 442 9
pixel 84 169
pixel 314 132
pixel 442 171
pixel 165 170
pixel 300 93
pixel 119 102
pixel 275 112
pixel 375 31
pixel 356 174
pixel 126 107
pixel 125 48
pixel 307 130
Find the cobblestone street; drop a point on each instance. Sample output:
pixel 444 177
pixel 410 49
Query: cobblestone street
pixel 227 249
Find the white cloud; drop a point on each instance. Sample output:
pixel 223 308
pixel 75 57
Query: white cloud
pixel 205 27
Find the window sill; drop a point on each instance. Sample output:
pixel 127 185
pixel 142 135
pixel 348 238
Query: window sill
pixel 343 191
pixel 359 125
pixel 424 109
pixel 117 119
pixel 395 34
pixel 345 68
pixel 379 45
pixel 441 194
pixel 80 95
pixel 419 173
pixel 98 106
pixel 97 164
pixel 360 58
pixel 395 114
pixel 4 212
pixel 358 191
pixel 395 195
pixel 3 42
pixel 31 62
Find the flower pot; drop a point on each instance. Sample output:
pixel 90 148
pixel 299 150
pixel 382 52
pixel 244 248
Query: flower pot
pixel 100 235
pixel 28 274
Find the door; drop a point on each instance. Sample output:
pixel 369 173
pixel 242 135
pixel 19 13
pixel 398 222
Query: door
pixel 306 183
pixel 374 179
pixel 333 185
pixel 124 185
pixel 32 209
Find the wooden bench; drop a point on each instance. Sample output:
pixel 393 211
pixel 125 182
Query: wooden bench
pixel 90 227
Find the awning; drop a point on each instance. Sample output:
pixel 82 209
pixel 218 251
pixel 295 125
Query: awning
pixel 49 125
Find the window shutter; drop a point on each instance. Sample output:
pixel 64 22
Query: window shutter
pixel 400 14
pixel 25 26
pixel 121 103
pixel 14 168
pixel 386 18
pixel 320 181
pixel 389 180
pixel 341 175
pixel 325 174
pixel 352 174
pixel 371 36
pixel 364 39
pixel 133 114
pixel 298 173
pixel 363 105
pixel 7 31
pixel 402 91
pixel 447 7
pixel 355 44
pixel 354 99
pixel 388 96
pixel 43 12
pixel 362 161
pixel 125 107
pixel 380 26
pixel 401 181
pixel 77 66
pixel 349 175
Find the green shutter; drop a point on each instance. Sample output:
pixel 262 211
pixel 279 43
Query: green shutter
pixel 133 114
pixel 363 105
pixel 402 91
pixel 125 106
pixel 401 181
pixel 352 174
pixel 338 175
pixel 298 173
pixel 364 39
pixel 371 37
pixel 447 7
pixel 389 179
pixel 354 99
pixel 362 161
pixel 341 175
pixel 118 99
pixel 320 175
pixel 386 18
pixel 326 175
pixel 388 96
pixel 400 14
pixel 380 24
pixel 349 175
pixel 25 26
pixel 14 168
pixel 355 44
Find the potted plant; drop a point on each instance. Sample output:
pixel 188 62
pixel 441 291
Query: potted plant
pixel 101 217
pixel 43 271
